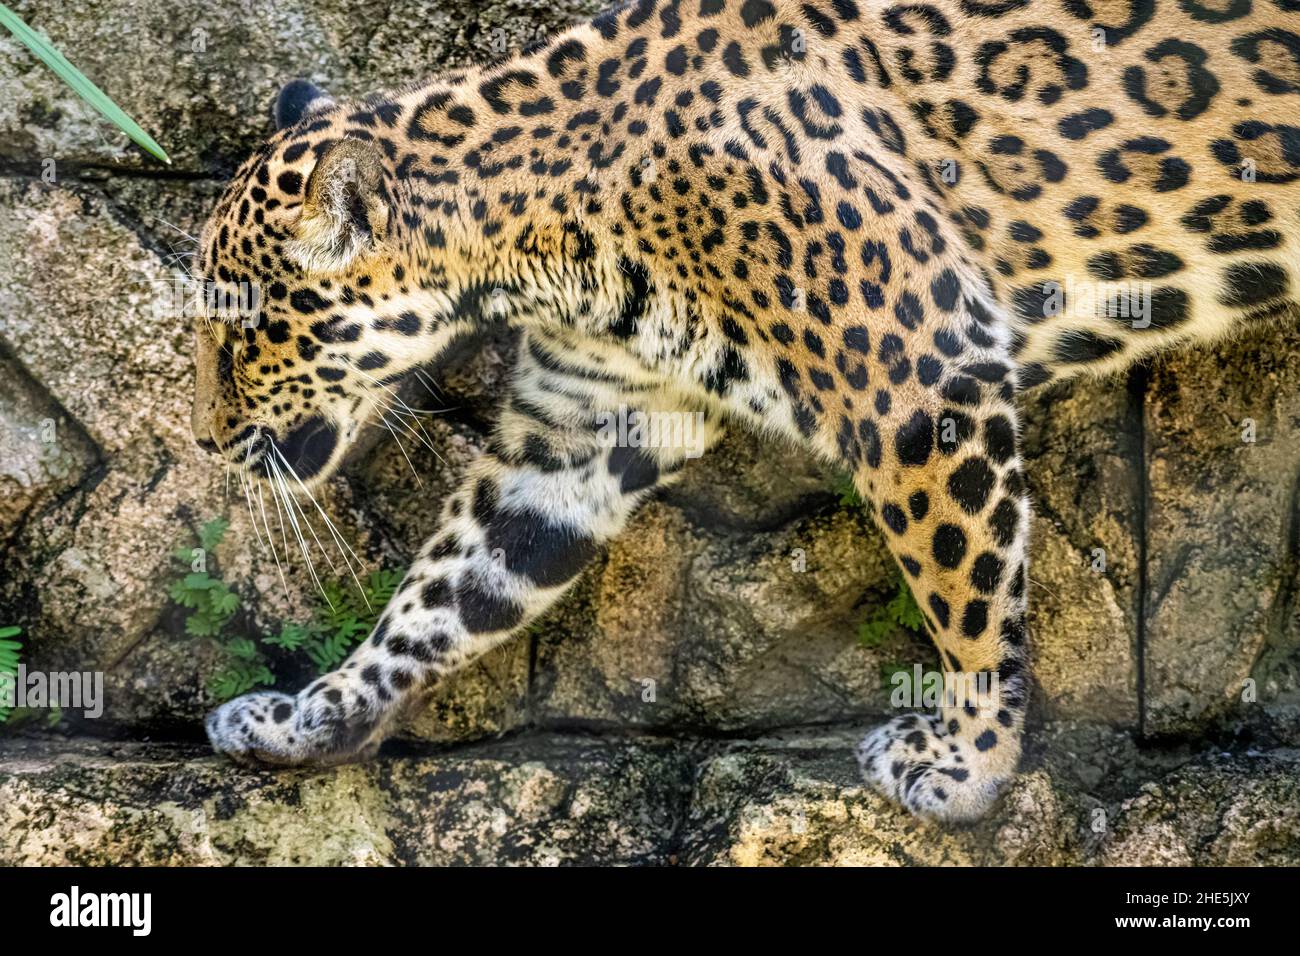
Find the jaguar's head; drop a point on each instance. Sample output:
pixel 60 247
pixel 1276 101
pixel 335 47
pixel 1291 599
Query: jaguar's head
pixel 318 311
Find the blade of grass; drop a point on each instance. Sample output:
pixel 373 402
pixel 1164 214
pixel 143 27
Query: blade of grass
pixel 87 90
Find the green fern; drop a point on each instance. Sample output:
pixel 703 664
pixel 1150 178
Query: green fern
pixel 381 586
pixel 848 492
pixel 212 605
pixel 291 637
pixel 239 677
pixel 210 600
pixel 10 655
pixel 328 651
pixel 346 617
pixel 343 618
pixel 874 630
pixel 211 534
pixel 901 611
pixel 888 671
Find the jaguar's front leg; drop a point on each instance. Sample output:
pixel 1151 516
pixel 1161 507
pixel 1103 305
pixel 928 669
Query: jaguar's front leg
pixel 529 515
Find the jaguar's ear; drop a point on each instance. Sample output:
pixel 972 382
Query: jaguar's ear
pixel 346 208
pixel 298 98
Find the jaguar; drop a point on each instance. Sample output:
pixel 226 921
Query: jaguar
pixel 862 227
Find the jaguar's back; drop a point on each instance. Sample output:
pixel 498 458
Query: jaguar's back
pixel 1129 173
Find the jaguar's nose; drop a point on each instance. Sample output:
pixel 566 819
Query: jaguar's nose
pixel 204 440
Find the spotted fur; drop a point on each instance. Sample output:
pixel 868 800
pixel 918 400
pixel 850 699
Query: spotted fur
pixel 859 225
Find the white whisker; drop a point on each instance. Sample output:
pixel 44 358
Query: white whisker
pixel 428 383
pixel 271 540
pixel 302 546
pixel 170 225
pixel 248 499
pixel 402 449
pixel 404 410
pixel 338 538
pixel 302 516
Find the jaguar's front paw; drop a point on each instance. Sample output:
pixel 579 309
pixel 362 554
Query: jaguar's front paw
pixel 937 775
pixel 274 729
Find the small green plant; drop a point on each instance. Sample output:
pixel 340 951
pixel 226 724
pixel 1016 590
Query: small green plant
pixel 209 599
pixel 343 617
pixel 849 497
pixel 212 604
pixel 900 611
pixel 10 655
pixel 77 81
pixel 889 669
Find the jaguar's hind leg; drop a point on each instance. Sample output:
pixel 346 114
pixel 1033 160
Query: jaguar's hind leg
pixel 945 484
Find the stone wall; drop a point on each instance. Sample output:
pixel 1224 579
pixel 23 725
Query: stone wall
pixel 548 750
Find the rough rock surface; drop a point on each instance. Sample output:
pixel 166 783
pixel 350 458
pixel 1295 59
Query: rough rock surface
pixel 694 698
pixel 549 800
pixel 1223 446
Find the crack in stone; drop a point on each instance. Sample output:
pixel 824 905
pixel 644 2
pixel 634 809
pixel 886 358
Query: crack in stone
pixel 1139 388
pixel 1284 602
